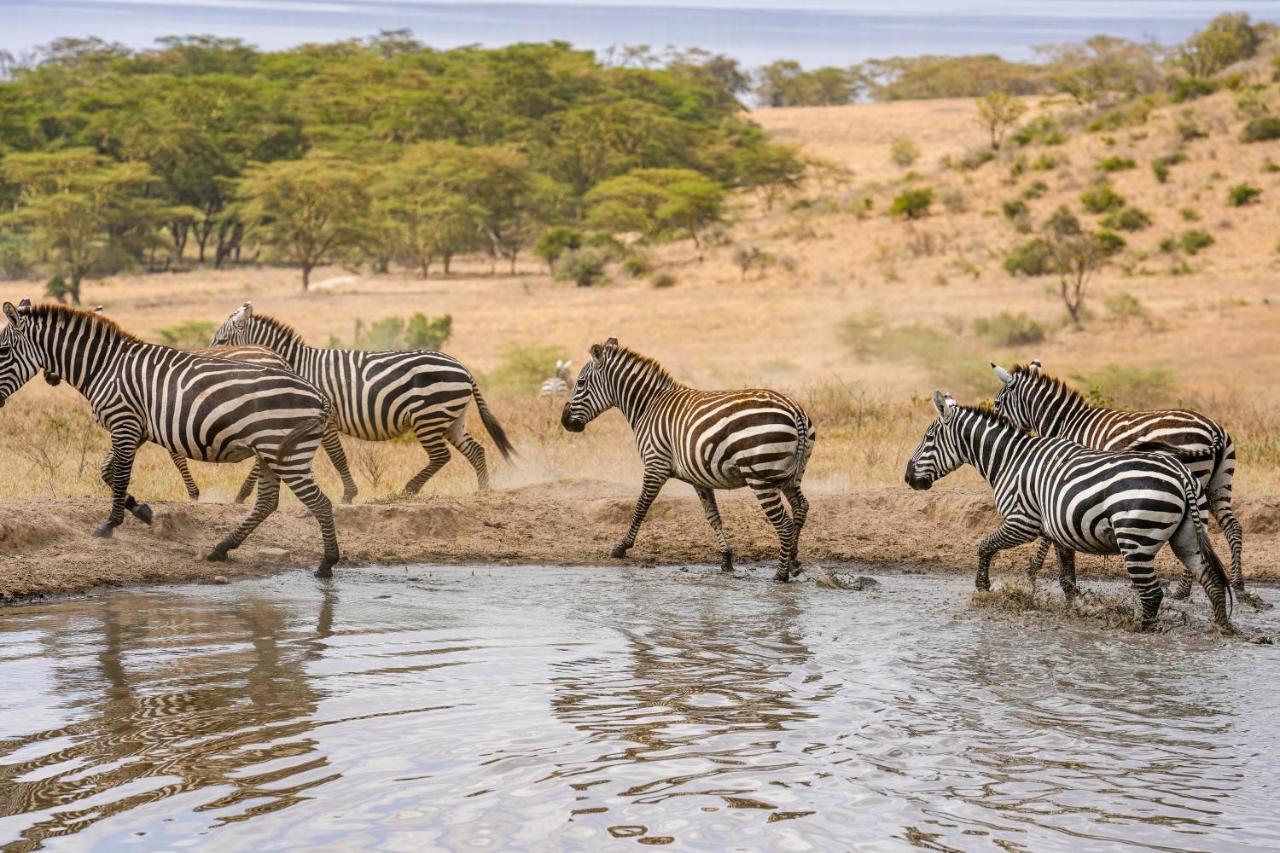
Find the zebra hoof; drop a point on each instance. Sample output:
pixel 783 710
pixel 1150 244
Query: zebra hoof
pixel 193 497
pixel 217 555
pixel 1182 593
pixel 348 497
pixel 104 530
pixel 325 569
pixel 726 564
pixel 619 551
pixel 1226 629
pixel 782 575
pixel 143 513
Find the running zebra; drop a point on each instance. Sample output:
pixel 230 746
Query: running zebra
pixel 378 396
pixel 1081 499
pixel 198 407
pixel 709 439
pixel 1033 400
pixel 558 385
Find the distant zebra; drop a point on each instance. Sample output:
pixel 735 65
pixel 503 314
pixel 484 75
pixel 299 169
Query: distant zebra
pixel 709 439
pixel 1080 499
pixel 558 385
pixel 378 396
pixel 1033 400
pixel 199 407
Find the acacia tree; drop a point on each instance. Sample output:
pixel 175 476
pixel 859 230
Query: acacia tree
pixel 657 203
pixel 89 215
pixel 305 210
pixel 1077 254
pixel 997 113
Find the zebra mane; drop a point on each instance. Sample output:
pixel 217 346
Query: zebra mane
pixel 1052 381
pixel 631 356
pixel 278 325
pixel 65 313
pixel 984 413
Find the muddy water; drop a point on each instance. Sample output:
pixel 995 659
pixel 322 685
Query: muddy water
pixel 539 708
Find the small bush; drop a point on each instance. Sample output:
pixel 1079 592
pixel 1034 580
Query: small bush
pixel 193 334
pixel 1035 189
pixel 1101 199
pixel 637 266
pixel 1189 214
pixel 1242 194
pixel 1132 114
pixel 1261 129
pixel 584 267
pixel 1128 387
pixel 555 241
pixel 1042 130
pixel 1015 209
pixel 954 200
pixel 1033 258
pixel 394 333
pixel 1124 306
pixel 1194 239
pixel 1047 161
pixel 903 152
pixel 1110 242
pixel 1116 163
pixel 1189 88
pixel 1160 169
pixel 912 203
pixel 1010 330
pixel 975 158
pixel 663 280
pixel 1270 167
pixel 523 367
pixel 1128 219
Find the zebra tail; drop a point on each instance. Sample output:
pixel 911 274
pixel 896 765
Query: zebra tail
pixel 491 425
pixel 1195 495
pixel 306 428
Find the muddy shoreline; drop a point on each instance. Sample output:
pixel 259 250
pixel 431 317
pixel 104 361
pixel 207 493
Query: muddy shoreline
pixel 46 549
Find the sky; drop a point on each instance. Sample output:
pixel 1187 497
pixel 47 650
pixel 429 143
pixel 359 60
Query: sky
pixel 815 32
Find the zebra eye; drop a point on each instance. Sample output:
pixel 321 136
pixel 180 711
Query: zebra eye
pixel 582 383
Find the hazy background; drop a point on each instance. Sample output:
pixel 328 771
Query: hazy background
pixel 820 33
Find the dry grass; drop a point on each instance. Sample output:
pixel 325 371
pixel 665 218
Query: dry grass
pixel 912 290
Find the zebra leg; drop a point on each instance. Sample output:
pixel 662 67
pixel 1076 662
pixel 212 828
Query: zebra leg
pixel 124 447
pixel 770 498
pixel 708 498
pixel 429 436
pixel 1008 536
pixel 246 488
pixel 1037 560
pixel 458 436
pixel 1186 546
pixel 799 512
pixel 333 447
pixel 303 485
pixel 1067 572
pixel 268 500
pixel 180 462
pixel 140 511
pixel 1219 494
pixel 653 483
pixel 1139 561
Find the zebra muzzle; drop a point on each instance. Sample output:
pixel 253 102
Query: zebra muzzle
pixel 571 423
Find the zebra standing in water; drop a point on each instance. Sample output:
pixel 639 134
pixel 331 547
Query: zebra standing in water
pixel 1080 499
pixel 199 407
pixel 1033 400
pixel 262 357
pixel 709 439
pixel 558 385
pixel 378 396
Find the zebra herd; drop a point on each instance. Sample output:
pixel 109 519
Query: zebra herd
pixel 1076 476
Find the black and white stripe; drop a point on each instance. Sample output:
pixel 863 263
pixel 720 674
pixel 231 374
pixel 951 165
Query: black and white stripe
pixel 557 385
pixel 197 407
pixel 1080 499
pixel 1035 401
pixel 709 439
pixel 378 396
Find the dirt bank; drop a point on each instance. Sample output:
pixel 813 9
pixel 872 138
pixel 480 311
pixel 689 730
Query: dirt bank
pixel 46 547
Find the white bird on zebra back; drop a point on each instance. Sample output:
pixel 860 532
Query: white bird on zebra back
pixel 1033 400
pixel 709 439
pixel 1080 499
pixel 558 385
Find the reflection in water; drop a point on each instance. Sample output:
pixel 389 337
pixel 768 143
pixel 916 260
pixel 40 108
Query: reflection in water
pixel 582 706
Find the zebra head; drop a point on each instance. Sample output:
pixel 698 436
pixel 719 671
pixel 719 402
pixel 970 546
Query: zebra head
pixel 593 393
pixel 19 356
pixel 936 456
pixel 1017 394
pixel 235 331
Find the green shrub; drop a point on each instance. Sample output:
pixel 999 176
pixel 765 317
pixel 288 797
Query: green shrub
pixel 555 241
pixel 1128 219
pixel 1033 258
pixel 1128 387
pixel 637 266
pixel 663 280
pixel 1132 114
pixel 1160 169
pixel 1101 199
pixel 1047 161
pixel 1189 214
pixel 903 152
pixel 584 267
pixel 1261 129
pixel 1015 209
pixel 523 367
pixel 1035 189
pixel 394 333
pixel 1189 88
pixel 193 334
pixel 1110 242
pixel 954 200
pixel 1270 167
pixel 912 203
pixel 1042 130
pixel 1010 330
pixel 975 158
pixel 1116 163
pixel 1242 194
pixel 1195 239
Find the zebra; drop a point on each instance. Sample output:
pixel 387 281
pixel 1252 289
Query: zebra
pixel 1033 400
pixel 1081 499
pixel 379 396
pixel 708 439
pixel 558 385
pixel 200 407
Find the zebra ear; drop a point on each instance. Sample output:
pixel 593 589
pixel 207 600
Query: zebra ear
pixel 12 314
pixel 611 345
pixel 1034 366
pixel 940 403
pixel 597 352
pixel 1001 374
